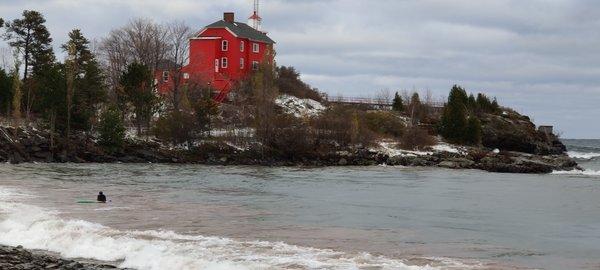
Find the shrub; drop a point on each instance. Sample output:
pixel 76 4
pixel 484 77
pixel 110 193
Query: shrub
pixel 416 138
pixel 112 130
pixel 342 125
pixel 176 126
pixel 288 82
pixel 384 123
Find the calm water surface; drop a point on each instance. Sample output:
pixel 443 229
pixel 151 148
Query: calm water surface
pixel 334 218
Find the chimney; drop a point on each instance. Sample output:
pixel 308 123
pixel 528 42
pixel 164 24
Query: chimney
pixel 229 17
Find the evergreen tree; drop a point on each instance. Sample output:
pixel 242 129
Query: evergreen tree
pixel 31 38
pixel 473 131
pixel 138 88
pixel 454 117
pixel 17 93
pixel 397 103
pixel 415 108
pixel 495 107
pixel 472 103
pixel 205 108
pixel 89 90
pixel 5 92
pixel 52 99
pixel 111 129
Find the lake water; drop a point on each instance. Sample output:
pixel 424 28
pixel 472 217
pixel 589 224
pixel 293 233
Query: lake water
pixel 210 217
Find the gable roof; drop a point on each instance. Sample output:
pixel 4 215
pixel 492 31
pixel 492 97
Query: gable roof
pixel 242 30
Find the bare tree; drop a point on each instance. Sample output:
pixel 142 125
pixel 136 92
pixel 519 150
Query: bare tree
pixel 178 56
pixel 141 40
pixel 383 96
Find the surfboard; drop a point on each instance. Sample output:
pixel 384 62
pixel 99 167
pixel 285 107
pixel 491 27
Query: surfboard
pixel 85 201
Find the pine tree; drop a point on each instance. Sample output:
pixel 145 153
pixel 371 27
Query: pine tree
pixel 454 118
pixel 5 92
pixel 415 108
pixel 112 130
pixel 138 88
pixel 89 90
pixel 473 131
pixel 472 103
pixel 31 38
pixel 17 93
pixel 397 103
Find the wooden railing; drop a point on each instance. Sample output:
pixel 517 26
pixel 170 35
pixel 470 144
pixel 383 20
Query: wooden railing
pixel 372 101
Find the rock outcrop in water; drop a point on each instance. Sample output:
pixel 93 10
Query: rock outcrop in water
pixel 511 131
pixel 17 258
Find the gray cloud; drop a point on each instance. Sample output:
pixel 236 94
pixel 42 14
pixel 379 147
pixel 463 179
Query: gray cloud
pixel 540 57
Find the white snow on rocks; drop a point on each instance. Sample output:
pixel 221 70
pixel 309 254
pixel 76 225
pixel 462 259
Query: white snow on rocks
pixel 391 149
pixel 299 107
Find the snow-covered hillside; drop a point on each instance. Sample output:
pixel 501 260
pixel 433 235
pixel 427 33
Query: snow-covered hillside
pixel 299 107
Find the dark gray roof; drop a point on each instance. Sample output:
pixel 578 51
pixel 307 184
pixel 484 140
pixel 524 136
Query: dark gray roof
pixel 243 30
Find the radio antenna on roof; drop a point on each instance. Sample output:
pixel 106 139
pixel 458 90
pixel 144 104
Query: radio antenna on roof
pixel 255 20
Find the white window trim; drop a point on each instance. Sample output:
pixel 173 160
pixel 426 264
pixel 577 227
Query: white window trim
pixel 224 45
pixel 241 63
pixel 255 47
pixel 255 65
pixel 165 76
pixel 224 62
pixel 186 76
pixel 242 45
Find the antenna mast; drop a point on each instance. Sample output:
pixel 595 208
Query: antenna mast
pixel 255 20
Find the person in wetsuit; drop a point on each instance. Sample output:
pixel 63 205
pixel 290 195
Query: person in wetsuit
pixel 101 197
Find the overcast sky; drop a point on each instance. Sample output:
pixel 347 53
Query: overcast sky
pixel 540 57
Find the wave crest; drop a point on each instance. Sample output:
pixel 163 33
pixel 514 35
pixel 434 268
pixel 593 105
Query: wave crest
pixel 583 155
pixel 578 172
pixel 36 228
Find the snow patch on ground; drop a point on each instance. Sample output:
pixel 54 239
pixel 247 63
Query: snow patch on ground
pixel 444 147
pixel 391 149
pixel 299 107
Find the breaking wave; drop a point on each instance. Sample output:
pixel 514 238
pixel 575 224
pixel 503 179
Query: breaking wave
pixel 37 228
pixel 583 155
pixel 578 172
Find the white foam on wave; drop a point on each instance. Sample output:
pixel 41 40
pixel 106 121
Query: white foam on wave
pixel 578 172
pixel 583 155
pixel 36 228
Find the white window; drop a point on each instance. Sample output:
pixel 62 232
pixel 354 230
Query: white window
pixel 255 47
pixel 224 62
pixel 186 76
pixel 254 65
pixel 241 63
pixel 242 45
pixel 165 76
pixel 224 45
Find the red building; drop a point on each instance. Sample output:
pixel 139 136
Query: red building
pixel 222 54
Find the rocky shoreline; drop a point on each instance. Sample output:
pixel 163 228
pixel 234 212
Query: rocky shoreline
pixel 31 145
pixel 18 258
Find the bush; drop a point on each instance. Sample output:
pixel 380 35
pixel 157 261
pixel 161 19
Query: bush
pixel 416 138
pixel 344 126
pixel 288 82
pixel 384 123
pixel 176 126
pixel 112 130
